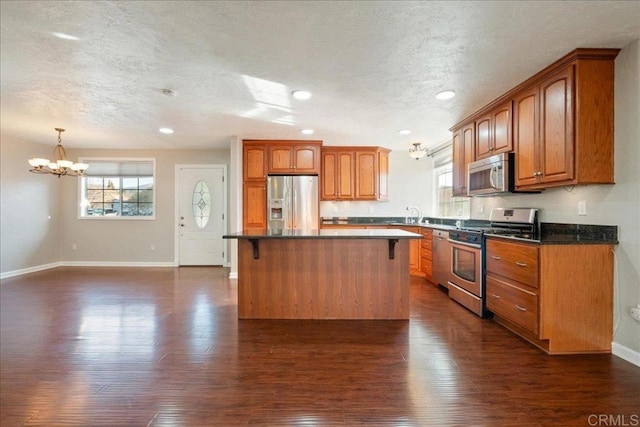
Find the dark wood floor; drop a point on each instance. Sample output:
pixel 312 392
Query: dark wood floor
pixel 163 347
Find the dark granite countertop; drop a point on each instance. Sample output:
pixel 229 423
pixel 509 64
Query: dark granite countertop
pixel 570 234
pixel 550 233
pixel 324 234
pixel 555 233
pixel 429 222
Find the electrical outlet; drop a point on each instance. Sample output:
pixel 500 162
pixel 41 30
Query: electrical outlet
pixel 335 209
pixel 481 209
pixel 153 247
pixel 582 207
pixel 635 312
pixel 371 209
pixel 74 246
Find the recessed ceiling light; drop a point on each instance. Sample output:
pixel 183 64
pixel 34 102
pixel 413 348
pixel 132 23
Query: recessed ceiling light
pixel 446 94
pixel 64 36
pixel 166 131
pixel 301 94
pixel 404 132
pixel 306 131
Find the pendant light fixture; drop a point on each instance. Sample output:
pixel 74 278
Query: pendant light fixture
pixel 417 152
pixel 58 165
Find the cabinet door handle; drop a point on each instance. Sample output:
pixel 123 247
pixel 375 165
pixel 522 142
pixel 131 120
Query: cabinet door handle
pixel 521 264
pixel 495 296
pixel 519 307
pixel 496 257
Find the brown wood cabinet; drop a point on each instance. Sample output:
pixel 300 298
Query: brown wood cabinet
pixel 493 132
pixel 338 174
pixel 547 155
pixel 558 297
pixel 526 116
pixel 414 252
pixel 463 154
pixel 562 123
pixel 254 203
pixel 355 173
pixel 294 157
pixel 254 185
pixel 426 253
pixel 254 160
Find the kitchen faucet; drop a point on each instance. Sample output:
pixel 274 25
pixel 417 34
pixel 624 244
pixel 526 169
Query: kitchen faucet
pixel 418 214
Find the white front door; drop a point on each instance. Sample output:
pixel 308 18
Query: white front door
pixel 201 209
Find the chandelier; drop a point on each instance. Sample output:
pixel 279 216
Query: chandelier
pixel 59 165
pixel 417 152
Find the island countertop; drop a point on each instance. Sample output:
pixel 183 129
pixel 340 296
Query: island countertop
pixel 324 234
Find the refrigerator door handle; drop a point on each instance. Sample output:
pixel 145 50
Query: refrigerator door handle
pixel 295 205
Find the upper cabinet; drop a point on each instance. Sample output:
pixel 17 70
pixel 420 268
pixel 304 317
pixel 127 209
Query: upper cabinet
pixel 355 173
pixel 254 159
pixel 294 157
pixel 559 123
pixel 493 132
pixel 338 176
pixel 463 146
pixel 372 173
pixel 564 122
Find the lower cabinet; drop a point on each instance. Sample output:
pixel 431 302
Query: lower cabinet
pixel 426 253
pixel 414 252
pixel 559 297
pixel 254 205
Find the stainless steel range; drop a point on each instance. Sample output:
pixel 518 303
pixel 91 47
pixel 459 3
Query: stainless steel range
pixel 467 283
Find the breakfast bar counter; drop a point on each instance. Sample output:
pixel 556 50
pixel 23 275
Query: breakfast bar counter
pixel 323 274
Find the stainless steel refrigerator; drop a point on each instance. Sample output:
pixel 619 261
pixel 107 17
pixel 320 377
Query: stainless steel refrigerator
pixel 292 202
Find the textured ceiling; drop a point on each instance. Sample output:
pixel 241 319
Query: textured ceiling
pixel 373 67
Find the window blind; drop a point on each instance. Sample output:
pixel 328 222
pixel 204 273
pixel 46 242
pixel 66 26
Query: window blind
pixel 114 168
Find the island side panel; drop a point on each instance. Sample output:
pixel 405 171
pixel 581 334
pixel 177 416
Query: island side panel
pixel 323 279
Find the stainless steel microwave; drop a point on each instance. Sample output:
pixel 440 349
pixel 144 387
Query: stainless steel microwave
pixel 491 176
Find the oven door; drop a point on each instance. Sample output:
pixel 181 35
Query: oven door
pixel 466 267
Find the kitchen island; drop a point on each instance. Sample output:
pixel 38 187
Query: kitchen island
pixel 323 274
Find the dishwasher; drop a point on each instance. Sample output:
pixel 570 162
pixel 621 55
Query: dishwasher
pixel 441 248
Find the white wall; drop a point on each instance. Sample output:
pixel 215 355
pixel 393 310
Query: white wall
pixel 123 240
pixel 410 183
pixel 29 208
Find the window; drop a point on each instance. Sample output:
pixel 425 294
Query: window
pixel 118 188
pixel 447 206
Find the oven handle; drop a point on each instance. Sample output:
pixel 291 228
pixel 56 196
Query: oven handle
pixel 472 245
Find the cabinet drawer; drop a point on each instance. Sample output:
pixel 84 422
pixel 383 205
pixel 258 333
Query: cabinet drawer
pixel 514 261
pixel 514 304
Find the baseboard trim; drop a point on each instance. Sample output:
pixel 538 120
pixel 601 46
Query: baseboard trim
pixel 36 268
pixel 116 264
pixel 625 353
pixel 28 270
pixel 233 275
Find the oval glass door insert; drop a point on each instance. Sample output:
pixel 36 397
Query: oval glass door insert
pixel 201 204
